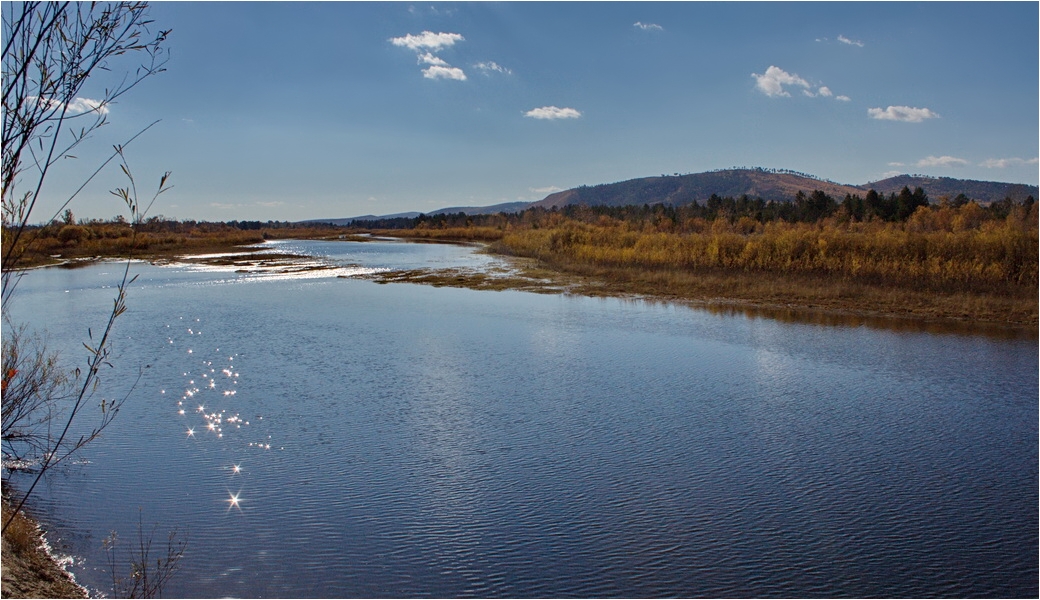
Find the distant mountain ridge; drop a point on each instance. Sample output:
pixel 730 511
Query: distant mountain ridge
pixel 506 207
pixel 768 184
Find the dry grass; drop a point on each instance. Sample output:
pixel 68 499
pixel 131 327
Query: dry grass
pixel 986 273
pixel 28 571
pixel 54 244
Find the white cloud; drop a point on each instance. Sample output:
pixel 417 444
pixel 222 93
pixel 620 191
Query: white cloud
pixel 424 45
pixel 941 161
pixel 896 164
pixel 772 82
pixel 648 26
pixel 902 113
pixel 428 58
pixel 78 106
pixel 442 72
pixel 846 40
pixel 85 105
pixel 552 189
pixel 552 112
pixel 492 67
pixel 1003 163
pixel 427 40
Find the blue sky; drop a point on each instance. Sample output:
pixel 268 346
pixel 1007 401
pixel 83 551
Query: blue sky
pixel 291 111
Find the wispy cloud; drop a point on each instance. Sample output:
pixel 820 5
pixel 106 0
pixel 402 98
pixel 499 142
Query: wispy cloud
pixel 845 40
pixel 552 189
pixel 444 72
pixel 772 82
pixel 843 98
pixel 492 67
pixel 552 113
pixel 241 205
pixel 906 114
pixel 647 26
pixel 427 40
pixel 432 10
pixel 941 161
pixel 1003 163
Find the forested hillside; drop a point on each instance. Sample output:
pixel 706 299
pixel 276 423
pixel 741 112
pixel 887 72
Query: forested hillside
pixel 774 185
pixel 948 187
pixel 679 190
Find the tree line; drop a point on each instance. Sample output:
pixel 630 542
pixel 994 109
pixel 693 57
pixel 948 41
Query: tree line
pixel 803 208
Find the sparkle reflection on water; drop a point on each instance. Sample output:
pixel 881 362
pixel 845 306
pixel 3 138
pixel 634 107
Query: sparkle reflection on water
pixel 330 437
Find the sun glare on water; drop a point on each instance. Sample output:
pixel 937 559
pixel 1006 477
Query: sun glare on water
pixel 215 398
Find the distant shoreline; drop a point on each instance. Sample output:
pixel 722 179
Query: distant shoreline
pixel 789 296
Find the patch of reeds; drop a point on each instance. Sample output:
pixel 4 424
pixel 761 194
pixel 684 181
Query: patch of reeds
pixel 996 256
pixel 944 262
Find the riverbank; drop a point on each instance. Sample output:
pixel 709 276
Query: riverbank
pixel 72 245
pixel 786 296
pixel 528 276
pixel 552 261
pixel 29 570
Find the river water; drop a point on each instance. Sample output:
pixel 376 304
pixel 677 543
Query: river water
pixel 404 440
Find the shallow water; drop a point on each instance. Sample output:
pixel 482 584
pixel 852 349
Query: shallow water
pixel 403 440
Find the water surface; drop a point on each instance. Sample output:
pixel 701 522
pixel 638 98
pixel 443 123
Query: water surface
pixel 407 441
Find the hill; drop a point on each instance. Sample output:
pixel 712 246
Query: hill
pixel 698 187
pixel 983 192
pixel 769 184
pixel 773 185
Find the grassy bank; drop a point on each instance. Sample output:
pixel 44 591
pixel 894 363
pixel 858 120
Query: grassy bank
pixel 28 570
pixel 942 263
pixel 56 243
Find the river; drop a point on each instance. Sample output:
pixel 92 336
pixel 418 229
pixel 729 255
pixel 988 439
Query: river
pixel 320 435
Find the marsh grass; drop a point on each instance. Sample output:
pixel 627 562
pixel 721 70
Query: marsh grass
pixel 944 262
pixel 51 244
